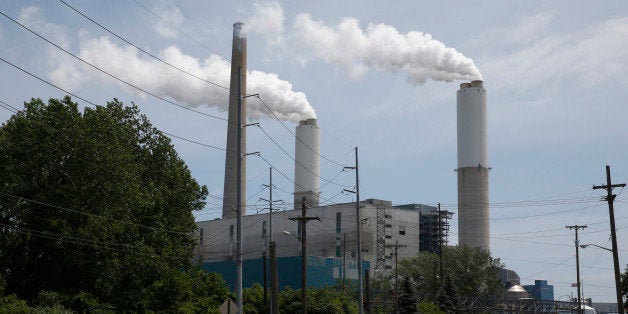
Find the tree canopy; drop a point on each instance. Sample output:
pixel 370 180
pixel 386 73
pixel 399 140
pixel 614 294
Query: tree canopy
pixel 95 201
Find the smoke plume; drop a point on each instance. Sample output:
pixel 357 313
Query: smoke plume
pixel 154 76
pixel 383 48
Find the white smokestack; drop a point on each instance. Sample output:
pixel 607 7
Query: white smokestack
pixel 473 201
pixel 383 48
pixel 307 163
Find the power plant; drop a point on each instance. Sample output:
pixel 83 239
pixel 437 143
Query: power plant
pixel 473 209
pixel 307 163
pixel 237 117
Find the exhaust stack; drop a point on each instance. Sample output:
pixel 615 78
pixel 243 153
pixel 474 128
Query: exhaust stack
pixel 473 202
pixel 307 163
pixel 238 83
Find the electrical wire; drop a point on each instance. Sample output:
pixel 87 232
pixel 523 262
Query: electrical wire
pixel 140 49
pixel 179 30
pixel 109 74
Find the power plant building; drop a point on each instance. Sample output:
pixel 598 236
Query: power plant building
pixel 329 241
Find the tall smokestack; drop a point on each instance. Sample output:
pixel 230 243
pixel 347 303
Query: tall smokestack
pixel 238 71
pixel 307 165
pixel 473 209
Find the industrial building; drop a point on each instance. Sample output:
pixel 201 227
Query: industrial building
pixel 331 242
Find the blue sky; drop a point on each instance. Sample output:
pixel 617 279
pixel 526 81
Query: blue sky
pixel 555 73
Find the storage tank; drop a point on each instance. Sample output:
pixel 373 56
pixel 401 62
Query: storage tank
pixel 473 202
pixel 307 163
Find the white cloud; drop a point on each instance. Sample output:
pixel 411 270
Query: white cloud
pixel 530 27
pixel 383 48
pixel 156 77
pixel 589 57
pixel 267 20
pixel 65 68
pixel 172 15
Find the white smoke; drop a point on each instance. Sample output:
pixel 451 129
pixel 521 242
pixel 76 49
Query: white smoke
pixel 383 48
pixel 156 77
pixel 267 20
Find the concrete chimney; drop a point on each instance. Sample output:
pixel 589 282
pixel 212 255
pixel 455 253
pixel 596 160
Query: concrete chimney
pixel 307 165
pixel 473 202
pixel 238 71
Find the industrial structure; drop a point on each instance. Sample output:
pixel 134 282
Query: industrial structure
pixel 332 246
pixel 307 163
pixel 236 134
pixel 473 200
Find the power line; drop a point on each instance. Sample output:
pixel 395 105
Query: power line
pixel 179 30
pixel 109 74
pixel 140 49
pixel 90 214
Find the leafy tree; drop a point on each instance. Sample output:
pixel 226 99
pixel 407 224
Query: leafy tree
pixel 407 297
pixel 447 298
pixel 253 299
pixel 473 272
pixel 429 308
pixel 327 300
pixel 97 201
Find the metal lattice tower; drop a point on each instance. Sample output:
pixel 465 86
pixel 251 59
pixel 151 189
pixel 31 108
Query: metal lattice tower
pixel 381 233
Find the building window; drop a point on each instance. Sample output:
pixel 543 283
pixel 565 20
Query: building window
pixel 402 230
pixel 387 226
pixel 388 216
pixel 388 236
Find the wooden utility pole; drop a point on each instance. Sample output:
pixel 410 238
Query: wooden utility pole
pixel 303 221
pixel 610 197
pixel 274 281
pixel 578 284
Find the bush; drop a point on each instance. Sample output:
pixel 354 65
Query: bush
pixel 11 304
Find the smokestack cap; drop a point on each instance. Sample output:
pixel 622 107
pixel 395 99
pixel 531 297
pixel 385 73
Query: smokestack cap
pixel 477 83
pixel 308 122
pixel 465 85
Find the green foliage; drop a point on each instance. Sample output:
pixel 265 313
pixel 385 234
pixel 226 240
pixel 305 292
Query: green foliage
pixel 429 308
pixel 319 301
pixel 447 298
pixel 407 297
pixel 3 285
pixel 473 272
pixel 122 216
pixel 253 299
pixel 12 305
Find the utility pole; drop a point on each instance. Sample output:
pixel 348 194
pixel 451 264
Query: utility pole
pixel 440 243
pixel 303 221
pixel 239 199
pixel 344 259
pixel 265 281
pixel 397 277
pixel 274 281
pixel 367 287
pixel 610 197
pixel 270 222
pixel 578 284
pixel 358 230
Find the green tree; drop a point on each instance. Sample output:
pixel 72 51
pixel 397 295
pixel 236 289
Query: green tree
pixel 97 201
pixel 253 299
pixel 329 300
pixel 407 297
pixel 447 298
pixel 473 272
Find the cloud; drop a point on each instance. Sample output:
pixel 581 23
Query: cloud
pixel 590 56
pixel 65 69
pixel 172 16
pixel 383 48
pixel 125 63
pixel 267 20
